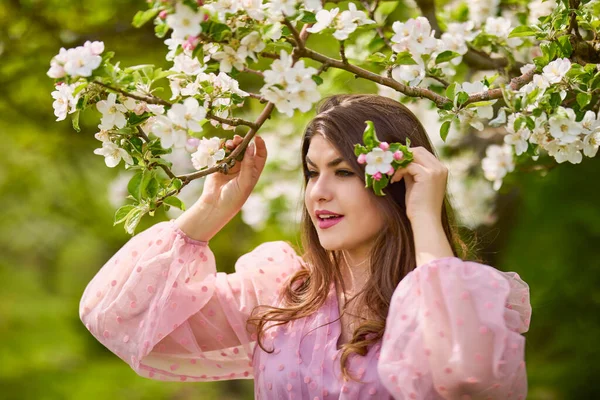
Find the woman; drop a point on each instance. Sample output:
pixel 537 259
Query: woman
pixel 379 306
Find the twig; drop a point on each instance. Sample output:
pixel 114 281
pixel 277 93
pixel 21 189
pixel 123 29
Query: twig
pixel 147 99
pixel 231 122
pixel 515 84
pixel 371 11
pixel 253 71
pixel 343 52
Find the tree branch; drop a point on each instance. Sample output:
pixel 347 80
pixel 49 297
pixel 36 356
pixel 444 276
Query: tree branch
pixel 147 99
pixel 382 80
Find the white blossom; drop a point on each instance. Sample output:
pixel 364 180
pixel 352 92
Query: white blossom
pixel 229 58
pixel 64 101
pixel 590 123
pixel 187 115
pixel 221 8
pixel 414 36
pixel 591 141
pixel 562 151
pixel 379 160
pixel 479 10
pixel 78 61
pixel 324 20
pixel 555 71
pixel 517 138
pixel 501 27
pixel 497 163
pixel 170 135
pixel 313 5
pixel 187 65
pixel 209 152
pixel 412 75
pixel 279 8
pixel 113 114
pixel 184 21
pixel 563 125
pixel 539 8
pixel 254 9
pixel 103 135
pixel 113 154
pixel 253 44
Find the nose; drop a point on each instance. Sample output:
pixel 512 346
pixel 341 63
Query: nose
pixel 320 190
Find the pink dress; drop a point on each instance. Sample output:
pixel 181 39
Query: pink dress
pixel 453 330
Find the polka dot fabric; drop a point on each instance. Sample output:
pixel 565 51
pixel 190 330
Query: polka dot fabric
pixel 453 330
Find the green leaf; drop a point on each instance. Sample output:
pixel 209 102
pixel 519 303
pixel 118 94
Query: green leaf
pixel 583 99
pixel 308 17
pixel 177 183
pixel 377 57
pixel 175 202
pixel 564 46
pixel 152 187
pixel 161 29
pixel 405 58
pixel 369 135
pixel 133 219
pixel 462 97
pixel 122 213
pixel 522 31
pixel 376 44
pixel 379 185
pixel 133 187
pixel 141 17
pixel 450 90
pixel 446 56
pixel 75 121
pixel 384 9
pixel 445 129
pixel 318 80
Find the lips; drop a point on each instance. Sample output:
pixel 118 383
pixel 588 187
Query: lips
pixel 329 222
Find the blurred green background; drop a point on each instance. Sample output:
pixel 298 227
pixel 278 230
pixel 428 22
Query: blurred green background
pixel 56 229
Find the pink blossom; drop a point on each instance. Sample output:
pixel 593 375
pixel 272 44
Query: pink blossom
pixel 384 146
pixel 398 155
pixel 163 14
pixel 190 43
pixel 391 171
pixel 377 176
pixel 362 159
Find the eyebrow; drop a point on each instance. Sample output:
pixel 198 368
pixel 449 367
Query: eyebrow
pixel 330 164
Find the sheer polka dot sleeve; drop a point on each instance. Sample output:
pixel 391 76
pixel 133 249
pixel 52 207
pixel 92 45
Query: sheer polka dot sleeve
pixel 455 326
pixel 161 306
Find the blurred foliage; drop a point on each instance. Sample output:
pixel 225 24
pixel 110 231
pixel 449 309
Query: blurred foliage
pixel 57 228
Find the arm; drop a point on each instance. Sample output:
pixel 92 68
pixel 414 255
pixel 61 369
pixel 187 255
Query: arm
pixel 455 327
pixel 162 307
pixel 430 239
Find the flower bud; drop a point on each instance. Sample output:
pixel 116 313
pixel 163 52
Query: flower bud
pixel 190 43
pixel 200 3
pixel 192 144
pixel 163 14
pixel 362 159
pixel 398 155
pixel 391 171
pixel 384 146
pixel 377 176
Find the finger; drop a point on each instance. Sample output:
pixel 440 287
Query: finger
pixel 413 169
pixel 248 164
pixel 424 157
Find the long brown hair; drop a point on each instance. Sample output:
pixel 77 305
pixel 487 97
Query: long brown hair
pixel 341 120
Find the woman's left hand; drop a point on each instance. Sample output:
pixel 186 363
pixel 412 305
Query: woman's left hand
pixel 425 179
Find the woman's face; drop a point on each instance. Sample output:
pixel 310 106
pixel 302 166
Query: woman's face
pixel 336 188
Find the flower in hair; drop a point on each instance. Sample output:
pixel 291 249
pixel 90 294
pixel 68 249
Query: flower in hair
pixel 382 159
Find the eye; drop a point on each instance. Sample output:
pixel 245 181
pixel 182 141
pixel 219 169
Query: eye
pixel 340 172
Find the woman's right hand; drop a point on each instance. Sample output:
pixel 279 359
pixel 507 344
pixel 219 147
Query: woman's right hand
pixel 228 193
